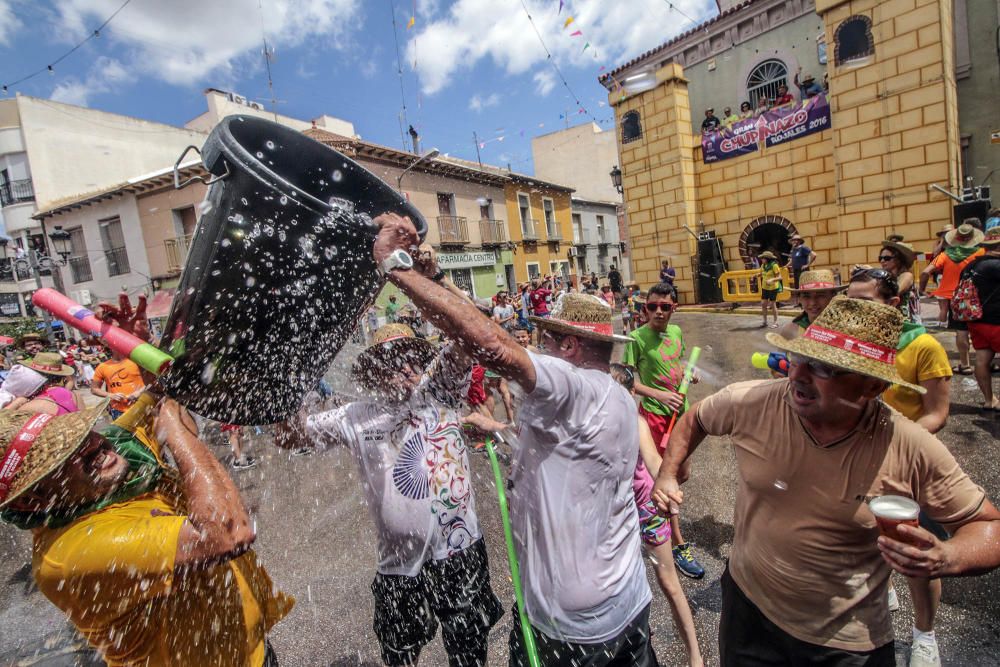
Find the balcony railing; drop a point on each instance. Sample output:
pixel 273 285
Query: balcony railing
pixel 552 228
pixel 16 192
pixel 79 268
pixel 453 229
pixel 16 271
pixel 529 229
pixel 494 232
pixel 177 251
pixel 117 259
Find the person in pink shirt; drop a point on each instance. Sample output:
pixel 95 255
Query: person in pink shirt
pixel 608 295
pixel 53 397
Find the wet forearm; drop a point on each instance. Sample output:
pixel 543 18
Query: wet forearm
pixel 684 440
pixel 972 549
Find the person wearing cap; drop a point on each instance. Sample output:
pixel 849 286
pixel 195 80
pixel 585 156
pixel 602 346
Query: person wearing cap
pixel 807 85
pixel 799 259
pixel 52 397
pixel 408 442
pixel 572 510
pixel 985 331
pixel 808 573
pixel 816 289
pixel 770 286
pixel 920 360
pixel 657 351
pixel 962 249
pixel 897 258
pixel 150 563
pixel 711 122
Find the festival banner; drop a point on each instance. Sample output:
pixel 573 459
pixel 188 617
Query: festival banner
pixel 773 127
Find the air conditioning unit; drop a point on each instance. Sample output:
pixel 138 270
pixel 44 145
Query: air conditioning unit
pixel 257 105
pixel 82 297
pixel 573 252
pixel 239 99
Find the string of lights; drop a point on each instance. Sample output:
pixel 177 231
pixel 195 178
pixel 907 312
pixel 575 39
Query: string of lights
pixel 94 34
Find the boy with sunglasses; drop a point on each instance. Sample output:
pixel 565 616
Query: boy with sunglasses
pixel 657 351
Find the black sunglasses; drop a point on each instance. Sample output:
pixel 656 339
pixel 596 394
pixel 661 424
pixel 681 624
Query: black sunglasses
pixel 817 368
pixel 880 275
pixel 665 307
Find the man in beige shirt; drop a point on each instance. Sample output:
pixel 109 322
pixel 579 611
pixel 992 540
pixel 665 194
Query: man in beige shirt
pixel 807 577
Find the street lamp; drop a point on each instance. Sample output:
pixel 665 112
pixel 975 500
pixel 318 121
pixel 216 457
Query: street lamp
pixel 429 155
pixel 616 178
pixel 34 260
pixel 61 242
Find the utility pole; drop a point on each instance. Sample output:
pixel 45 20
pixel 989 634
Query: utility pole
pixel 478 158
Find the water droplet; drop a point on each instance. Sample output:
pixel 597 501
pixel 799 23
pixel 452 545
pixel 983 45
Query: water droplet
pixel 259 155
pixel 225 243
pixel 251 281
pixel 270 145
pixel 780 485
pixel 338 176
pixel 283 200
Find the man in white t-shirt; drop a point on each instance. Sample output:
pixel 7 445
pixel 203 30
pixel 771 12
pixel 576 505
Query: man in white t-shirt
pixel 573 512
pixel 417 482
pixel 503 312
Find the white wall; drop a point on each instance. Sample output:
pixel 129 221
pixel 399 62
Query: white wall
pixel 580 157
pixel 220 106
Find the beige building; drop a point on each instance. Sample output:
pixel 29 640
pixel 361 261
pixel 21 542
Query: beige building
pixel 581 157
pixel 893 134
pixel 222 103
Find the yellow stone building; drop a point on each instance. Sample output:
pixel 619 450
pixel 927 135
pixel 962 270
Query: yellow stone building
pixel 540 225
pixel 893 134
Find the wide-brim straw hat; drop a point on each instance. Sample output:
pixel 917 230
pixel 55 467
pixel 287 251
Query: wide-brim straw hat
pixel 767 254
pixel 944 230
pixel 992 238
pixel 392 345
pixel 966 236
pixel 54 445
pixel 820 280
pixel 854 335
pixel 583 315
pixel 906 252
pixel 49 363
pixel 32 337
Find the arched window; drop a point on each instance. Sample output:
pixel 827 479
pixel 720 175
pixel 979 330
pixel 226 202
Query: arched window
pixel 764 80
pixel 631 127
pixel 853 40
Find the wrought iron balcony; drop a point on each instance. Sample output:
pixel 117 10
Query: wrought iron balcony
pixel 79 268
pixel 17 192
pixel 493 232
pixel 552 228
pixel 117 259
pixel 453 229
pixel 529 229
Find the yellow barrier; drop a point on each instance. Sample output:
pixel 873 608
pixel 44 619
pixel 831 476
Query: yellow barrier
pixel 745 285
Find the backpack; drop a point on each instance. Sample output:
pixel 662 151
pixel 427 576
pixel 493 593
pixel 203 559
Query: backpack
pixel 966 306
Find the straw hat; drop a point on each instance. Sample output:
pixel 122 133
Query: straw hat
pixel 582 315
pixel 767 254
pixel 905 250
pixel 49 363
pixel 795 237
pixel 392 345
pixel 38 338
pixel 53 446
pixel 966 236
pixel 992 238
pixel 818 280
pixel 945 230
pixel 855 335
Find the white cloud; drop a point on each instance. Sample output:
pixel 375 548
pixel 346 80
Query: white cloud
pixel 477 103
pixel 106 75
pixel 499 31
pixel 9 23
pixel 185 42
pixel 545 81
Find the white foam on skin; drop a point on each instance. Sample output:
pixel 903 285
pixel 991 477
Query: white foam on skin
pixel 894 507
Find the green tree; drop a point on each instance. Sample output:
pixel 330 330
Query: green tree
pixel 18 327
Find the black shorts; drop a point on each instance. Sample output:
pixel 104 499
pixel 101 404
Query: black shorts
pixel 769 294
pixel 631 648
pixel 455 592
pixel 956 325
pixel 748 639
pixel 796 273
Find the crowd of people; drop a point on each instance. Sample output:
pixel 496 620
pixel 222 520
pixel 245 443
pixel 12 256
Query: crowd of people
pixel 153 563
pixel 807 85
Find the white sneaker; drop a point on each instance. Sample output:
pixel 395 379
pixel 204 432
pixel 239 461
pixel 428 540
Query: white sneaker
pixel 924 653
pixel 893 599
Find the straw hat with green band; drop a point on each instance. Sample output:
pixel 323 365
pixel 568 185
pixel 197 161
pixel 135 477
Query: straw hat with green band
pixel 52 447
pixel 818 280
pixel 392 345
pixel 855 335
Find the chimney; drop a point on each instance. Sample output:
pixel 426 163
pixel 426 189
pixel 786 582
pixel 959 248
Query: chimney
pixel 416 141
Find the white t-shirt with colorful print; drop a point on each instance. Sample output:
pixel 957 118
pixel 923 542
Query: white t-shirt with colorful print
pixel 414 468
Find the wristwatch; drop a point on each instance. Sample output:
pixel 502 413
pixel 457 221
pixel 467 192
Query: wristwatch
pixel 398 259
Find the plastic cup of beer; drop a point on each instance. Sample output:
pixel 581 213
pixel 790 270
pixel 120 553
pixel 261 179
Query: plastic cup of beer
pixel 891 512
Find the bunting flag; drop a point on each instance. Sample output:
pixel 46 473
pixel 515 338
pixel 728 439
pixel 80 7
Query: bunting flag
pixel 602 68
pixel 409 24
pixel 586 46
pixel 560 7
pixel 568 21
pixel 578 33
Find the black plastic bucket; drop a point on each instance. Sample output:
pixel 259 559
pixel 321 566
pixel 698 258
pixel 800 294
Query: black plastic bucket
pixel 279 271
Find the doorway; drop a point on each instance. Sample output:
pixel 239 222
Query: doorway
pixel 770 232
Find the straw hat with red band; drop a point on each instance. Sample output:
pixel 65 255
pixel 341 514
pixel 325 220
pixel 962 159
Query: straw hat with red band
pixel 855 335
pixel 33 446
pixel 392 345
pixel 992 238
pixel 48 363
pixel 966 236
pixel 818 280
pixel 583 315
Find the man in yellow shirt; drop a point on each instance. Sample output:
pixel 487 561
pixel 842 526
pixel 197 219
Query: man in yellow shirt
pixel 150 563
pixel 920 360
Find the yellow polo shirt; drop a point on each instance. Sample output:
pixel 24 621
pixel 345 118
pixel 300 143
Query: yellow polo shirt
pixel 923 359
pixel 112 573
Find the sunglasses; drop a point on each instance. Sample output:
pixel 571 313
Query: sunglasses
pixel 886 258
pixel 665 307
pixel 816 368
pixel 880 275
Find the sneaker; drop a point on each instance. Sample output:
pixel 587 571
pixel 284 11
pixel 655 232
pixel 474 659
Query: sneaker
pixel 687 563
pixel 302 451
pixel 893 599
pixel 924 653
pixel 248 462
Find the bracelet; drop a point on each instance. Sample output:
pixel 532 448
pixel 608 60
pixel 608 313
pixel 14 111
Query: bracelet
pixel 438 277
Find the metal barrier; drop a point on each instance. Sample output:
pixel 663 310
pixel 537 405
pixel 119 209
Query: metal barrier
pixel 745 285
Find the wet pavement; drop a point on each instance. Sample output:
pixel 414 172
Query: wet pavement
pixel 315 537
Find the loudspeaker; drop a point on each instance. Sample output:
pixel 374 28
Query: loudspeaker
pixel 973 209
pixel 707 280
pixel 710 250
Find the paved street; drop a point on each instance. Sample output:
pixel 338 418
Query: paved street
pixel 314 536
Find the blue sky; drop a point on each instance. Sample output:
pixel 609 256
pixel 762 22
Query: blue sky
pixel 468 65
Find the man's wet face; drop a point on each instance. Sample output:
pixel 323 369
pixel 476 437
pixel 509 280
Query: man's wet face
pixel 94 472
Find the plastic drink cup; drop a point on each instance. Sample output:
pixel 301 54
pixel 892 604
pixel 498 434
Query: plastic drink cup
pixel 891 512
